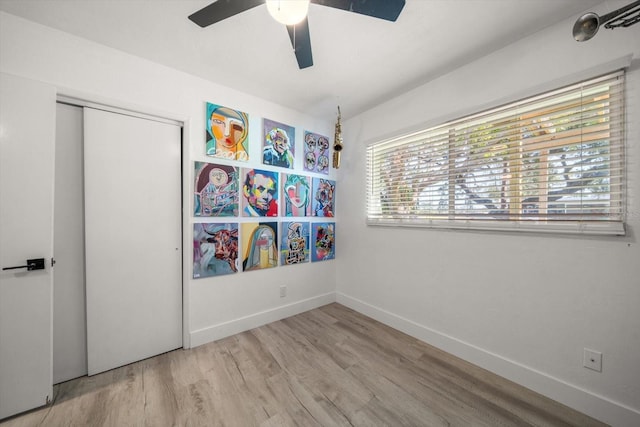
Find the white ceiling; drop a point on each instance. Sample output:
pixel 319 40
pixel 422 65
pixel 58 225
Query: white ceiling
pixel 358 61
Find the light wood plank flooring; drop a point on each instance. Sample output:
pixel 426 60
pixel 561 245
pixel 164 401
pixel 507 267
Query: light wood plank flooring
pixel 327 367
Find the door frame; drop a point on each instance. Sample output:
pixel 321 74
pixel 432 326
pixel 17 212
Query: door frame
pixel 71 97
pixel 69 307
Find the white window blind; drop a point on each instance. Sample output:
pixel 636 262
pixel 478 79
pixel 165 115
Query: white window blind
pixel 553 162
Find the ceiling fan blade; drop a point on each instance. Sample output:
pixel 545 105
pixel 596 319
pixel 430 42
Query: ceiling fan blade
pixel 383 9
pixel 301 42
pixel 222 9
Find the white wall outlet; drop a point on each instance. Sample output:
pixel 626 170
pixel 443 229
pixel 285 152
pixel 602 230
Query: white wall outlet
pixel 592 360
pixel 283 291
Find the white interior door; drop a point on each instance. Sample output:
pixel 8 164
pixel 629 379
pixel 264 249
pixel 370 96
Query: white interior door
pixel 27 138
pixel 69 314
pixel 132 238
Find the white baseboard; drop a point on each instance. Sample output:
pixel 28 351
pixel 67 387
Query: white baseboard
pixel 598 407
pixel 222 330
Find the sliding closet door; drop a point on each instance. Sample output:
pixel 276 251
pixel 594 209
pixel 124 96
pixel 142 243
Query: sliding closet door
pixel 133 238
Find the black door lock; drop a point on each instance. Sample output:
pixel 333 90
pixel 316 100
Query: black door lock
pixel 32 264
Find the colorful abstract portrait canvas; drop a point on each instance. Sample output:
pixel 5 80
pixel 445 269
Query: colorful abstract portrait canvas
pixel 316 153
pixel 215 190
pixel 227 133
pixel 215 249
pixel 324 191
pixel 323 241
pixel 259 245
pixel 259 192
pixel 296 195
pixel 294 244
pixel 278 144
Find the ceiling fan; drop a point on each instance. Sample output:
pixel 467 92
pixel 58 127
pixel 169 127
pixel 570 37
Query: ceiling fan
pixel 299 32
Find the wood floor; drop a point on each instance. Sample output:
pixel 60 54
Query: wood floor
pixel 327 367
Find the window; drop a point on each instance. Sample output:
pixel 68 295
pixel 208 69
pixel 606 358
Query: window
pixel 553 162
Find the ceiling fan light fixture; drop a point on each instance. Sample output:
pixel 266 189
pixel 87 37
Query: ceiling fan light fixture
pixel 288 12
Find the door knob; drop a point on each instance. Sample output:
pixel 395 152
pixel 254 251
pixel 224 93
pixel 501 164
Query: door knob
pixel 32 264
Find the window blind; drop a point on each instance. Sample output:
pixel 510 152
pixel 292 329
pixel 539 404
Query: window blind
pixel 553 162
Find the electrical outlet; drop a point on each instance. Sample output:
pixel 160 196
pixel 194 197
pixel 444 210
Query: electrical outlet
pixel 283 291
pixel 592 360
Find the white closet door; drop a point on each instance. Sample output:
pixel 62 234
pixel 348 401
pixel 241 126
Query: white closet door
pixel 132 238
pixel 27 128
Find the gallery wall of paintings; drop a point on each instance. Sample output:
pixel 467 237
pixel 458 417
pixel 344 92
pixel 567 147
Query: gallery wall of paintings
pixel 253 214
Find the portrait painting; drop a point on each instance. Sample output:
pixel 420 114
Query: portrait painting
pixel 259 245
pixel 296 195
pixel 215 249
pixel 278 144
pixel 259 192
pixel 227 133
pixel 215 190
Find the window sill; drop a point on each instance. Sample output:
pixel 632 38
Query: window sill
pixel 604 228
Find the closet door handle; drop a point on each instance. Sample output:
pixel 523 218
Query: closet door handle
pixel 32 264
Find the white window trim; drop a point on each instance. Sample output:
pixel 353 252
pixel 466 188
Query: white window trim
pixel 601 227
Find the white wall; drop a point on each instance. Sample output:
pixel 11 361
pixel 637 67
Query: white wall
pixel 215 306
pixel 521 305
